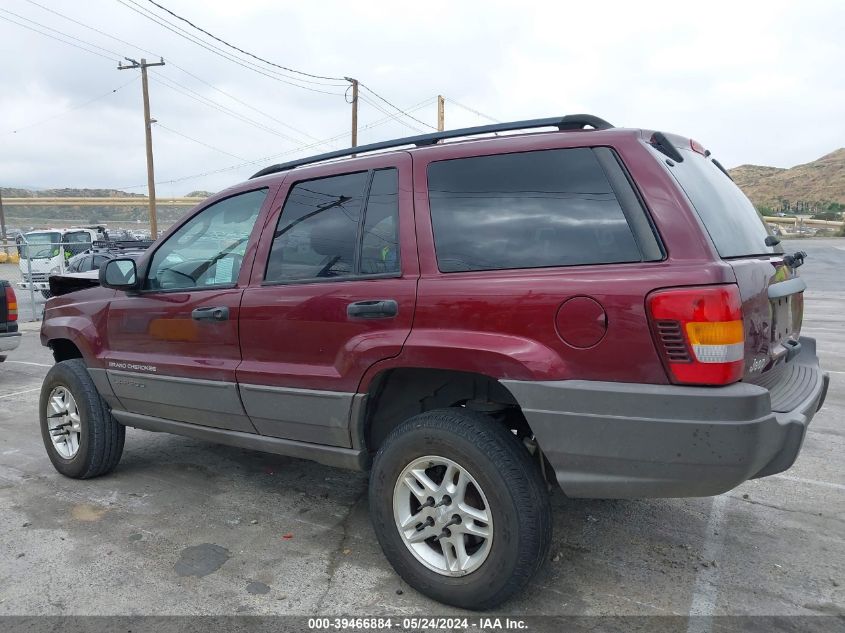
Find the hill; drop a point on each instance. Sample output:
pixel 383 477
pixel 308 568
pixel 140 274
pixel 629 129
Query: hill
pixel 12 192
pixel 812 187
pixel 16 192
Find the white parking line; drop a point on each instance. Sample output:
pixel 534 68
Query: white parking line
pixel 706 589
pixel 17 393
pixel 23 362
pixel 813 482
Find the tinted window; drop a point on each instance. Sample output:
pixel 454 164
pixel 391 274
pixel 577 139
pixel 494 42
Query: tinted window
pixel 380 241
pixel 208 249
pixel 318 229
pixel 99 260
pixel 731 220
pixel 527 210
pixel 77 264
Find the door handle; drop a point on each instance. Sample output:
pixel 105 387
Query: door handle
pixel 373 309
pixel 220 313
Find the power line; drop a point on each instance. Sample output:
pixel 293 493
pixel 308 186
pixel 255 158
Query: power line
pixel 190 138
pixel 468 109
pixel 184 70
pixel 244 103
pixel 395 117
pixel 194 40
pixel 62 33
pixel 72 108
pixel 395 107
pixel 91 28
pixel 211 35
pixel 265 159
pixel 191 94
pixel 180 32
pixel 53 37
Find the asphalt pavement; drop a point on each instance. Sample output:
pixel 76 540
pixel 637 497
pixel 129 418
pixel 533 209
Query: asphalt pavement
pixel 188 527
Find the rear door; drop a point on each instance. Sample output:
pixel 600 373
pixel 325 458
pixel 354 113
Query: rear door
pixel 173 347
pixel 333 291
pixel 771 292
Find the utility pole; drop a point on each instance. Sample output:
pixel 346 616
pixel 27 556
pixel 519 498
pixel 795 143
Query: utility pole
pixel 151 187
pixel 354 83
pixel 3 226
pixel 441 113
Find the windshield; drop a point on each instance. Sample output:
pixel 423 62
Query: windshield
pixel 734 225
pixel 41 245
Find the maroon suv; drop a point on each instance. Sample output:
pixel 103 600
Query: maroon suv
pixel 471 321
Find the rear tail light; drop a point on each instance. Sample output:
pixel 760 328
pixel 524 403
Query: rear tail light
pixel 700 333
pixel 11 304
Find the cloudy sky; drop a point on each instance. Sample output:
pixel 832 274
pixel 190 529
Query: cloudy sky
pixel 755 82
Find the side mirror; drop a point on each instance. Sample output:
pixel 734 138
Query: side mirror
pixel 120 274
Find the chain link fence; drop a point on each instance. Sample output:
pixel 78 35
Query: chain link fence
pixel 28 262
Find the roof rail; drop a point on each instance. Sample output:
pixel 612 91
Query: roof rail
pixel 568 122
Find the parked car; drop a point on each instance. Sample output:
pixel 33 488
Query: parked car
pixel 10 338
pixel 474 321
pixel 103 251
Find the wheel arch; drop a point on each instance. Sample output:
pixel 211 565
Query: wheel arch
pixel 398 393
pixel 73 337
pixel 64 349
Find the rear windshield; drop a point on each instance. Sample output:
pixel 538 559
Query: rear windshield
pixel 734 225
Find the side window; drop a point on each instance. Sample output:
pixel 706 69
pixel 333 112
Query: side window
pixel 99 260
pixel 208 249
pixel 526 210
pixel 380 239
pixel 319 230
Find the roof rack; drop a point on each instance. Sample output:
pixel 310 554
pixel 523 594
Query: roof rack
pixel 568 122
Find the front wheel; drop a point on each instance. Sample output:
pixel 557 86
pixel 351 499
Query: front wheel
pixel 82 438
pixel 459 508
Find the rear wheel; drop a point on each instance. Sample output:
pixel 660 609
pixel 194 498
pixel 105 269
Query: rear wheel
pixel 82 438
pixel 459 508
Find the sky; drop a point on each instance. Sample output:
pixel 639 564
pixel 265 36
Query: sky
pixel 754 82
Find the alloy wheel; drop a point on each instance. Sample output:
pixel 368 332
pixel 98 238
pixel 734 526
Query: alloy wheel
pixel 443 516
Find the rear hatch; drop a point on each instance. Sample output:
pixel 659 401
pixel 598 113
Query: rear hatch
pixel 771 291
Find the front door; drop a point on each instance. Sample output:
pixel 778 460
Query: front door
pixel 173 348
pixel 332 293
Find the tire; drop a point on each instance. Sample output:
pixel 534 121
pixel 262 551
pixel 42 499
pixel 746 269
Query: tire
pixel 509 484
pixel 46 294
pixel 99 439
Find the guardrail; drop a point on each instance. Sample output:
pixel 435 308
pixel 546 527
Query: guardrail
pixel 796 221
pixel 100 202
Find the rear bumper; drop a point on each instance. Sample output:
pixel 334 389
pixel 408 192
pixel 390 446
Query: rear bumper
pixel 625 440
pixel 9 341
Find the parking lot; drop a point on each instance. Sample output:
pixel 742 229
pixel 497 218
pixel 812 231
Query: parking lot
pixel 187 527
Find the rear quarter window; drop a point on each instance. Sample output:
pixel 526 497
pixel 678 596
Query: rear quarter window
pixel 526 210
